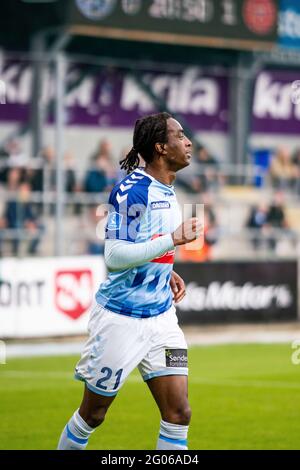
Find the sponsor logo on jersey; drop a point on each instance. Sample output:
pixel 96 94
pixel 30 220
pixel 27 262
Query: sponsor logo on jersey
pixel 160 205
pixel 176 358
pixel 73 292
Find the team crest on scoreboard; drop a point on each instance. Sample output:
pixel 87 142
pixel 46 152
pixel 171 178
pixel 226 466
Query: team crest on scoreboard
pixel 131 7
pixel 96 9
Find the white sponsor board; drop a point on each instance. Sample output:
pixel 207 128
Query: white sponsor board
pixel 47 296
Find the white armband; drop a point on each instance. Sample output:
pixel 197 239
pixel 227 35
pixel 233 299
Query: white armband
pixel 121 254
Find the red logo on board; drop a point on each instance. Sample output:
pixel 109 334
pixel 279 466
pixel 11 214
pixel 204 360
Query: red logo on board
pixel 260 16
pixel 73 292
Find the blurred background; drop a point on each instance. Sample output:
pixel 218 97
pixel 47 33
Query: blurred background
pixel 74 77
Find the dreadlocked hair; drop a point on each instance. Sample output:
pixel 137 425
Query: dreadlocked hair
pixel 148 131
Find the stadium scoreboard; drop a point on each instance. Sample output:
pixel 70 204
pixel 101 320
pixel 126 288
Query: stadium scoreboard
pixel 240 24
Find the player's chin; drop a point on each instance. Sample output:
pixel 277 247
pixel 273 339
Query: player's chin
pixel 182 163
pixel 186 161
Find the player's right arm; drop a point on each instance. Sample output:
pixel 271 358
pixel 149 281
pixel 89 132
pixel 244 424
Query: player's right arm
pixel 128 205
pixel 121 254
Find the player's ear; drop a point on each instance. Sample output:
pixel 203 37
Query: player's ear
pixel 160 149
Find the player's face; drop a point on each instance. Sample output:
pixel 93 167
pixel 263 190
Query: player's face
pixel 179 147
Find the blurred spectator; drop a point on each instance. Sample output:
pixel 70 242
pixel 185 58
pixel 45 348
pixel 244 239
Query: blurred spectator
pixel 95 179
pixel 282 169
pixel 270 223
pixel 206 171
pixel 202 175
pixel 276 219
pixel 110 171
pixel 16 157
pixel 43 178
pixel 14 178
pixel 104 161
pixel 93 228
pixel 257 222
pixel 105 148
pixel 19 214
pixel 70 174
pixel 103 175
pixel 4 152
pixel 296 163
pixel 12 156
pixel 3 165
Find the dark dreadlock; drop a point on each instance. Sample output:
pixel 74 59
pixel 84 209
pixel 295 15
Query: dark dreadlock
pixel 148 131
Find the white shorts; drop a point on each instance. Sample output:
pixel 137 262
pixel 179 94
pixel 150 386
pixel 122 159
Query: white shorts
pixel 117 344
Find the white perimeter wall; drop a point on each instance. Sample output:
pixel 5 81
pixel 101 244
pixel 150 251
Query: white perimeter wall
pixel 48 296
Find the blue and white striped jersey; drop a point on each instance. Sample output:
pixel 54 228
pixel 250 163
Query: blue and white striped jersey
pixel 141 209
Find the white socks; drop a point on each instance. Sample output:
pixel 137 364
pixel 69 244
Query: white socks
pixel 172 436
pixel 75 435
pixel 77 432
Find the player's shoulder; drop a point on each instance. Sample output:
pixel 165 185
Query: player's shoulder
pixel 134 188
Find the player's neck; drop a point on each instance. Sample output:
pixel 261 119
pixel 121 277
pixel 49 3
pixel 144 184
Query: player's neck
pixel 161 174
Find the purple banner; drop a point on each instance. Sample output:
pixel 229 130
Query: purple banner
pixel 115 97
pixel 276 103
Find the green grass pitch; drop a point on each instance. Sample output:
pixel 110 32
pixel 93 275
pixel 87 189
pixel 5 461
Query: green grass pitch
pixel 242 397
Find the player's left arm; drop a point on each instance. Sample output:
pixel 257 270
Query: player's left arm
pixel 177 286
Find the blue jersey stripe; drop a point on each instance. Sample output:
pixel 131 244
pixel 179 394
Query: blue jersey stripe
pixel 125 309
pixel 153 284
pixel 139 278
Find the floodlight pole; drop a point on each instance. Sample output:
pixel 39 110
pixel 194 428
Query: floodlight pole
pixel 37 104
pixel 60 77
pixel 241 109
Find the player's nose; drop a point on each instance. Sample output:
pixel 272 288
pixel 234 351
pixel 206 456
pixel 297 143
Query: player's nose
pixel 188 143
